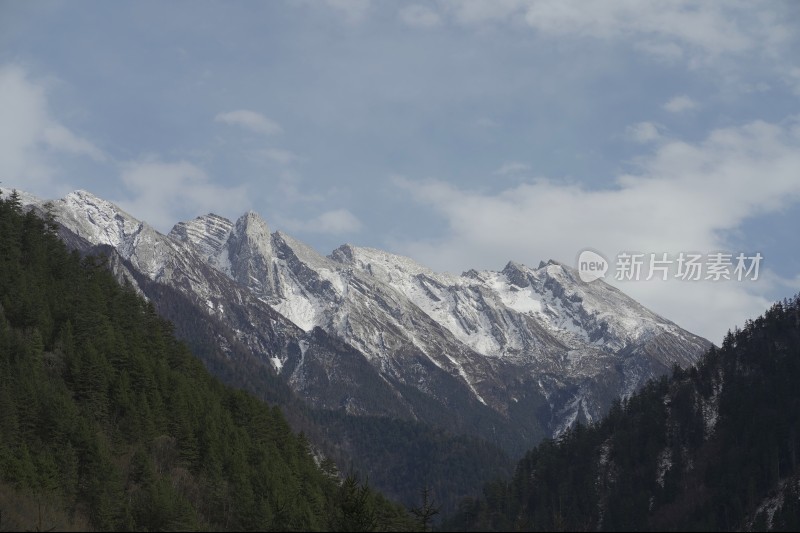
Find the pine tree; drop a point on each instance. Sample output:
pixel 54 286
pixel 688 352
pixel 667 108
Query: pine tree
pixel 426 510
pixel 355 512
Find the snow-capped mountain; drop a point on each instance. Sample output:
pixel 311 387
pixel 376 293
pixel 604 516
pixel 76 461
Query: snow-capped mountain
pixel 480 326
pixel 90 221
pixel 521 353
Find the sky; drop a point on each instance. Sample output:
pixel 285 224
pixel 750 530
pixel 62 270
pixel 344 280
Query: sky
pixel 463 134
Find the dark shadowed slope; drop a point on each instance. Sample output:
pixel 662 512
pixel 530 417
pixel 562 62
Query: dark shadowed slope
pixel 714 447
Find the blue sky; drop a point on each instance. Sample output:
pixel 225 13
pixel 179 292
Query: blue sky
pixel 464 134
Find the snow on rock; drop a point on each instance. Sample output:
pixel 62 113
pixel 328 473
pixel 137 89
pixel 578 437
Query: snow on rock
pixel 710 407
pixel 490 330
pixel 544 320
pixel 664 465
pixel 25 198
pixel 208 233
pixel 772 503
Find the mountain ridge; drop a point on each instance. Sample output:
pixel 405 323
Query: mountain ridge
pixel 710 448
pixel 538 337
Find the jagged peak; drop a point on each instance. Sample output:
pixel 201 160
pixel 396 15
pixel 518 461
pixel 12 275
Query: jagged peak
pixel 210 219
pixel 251 216
pixel 471 274
pixel 559 271
pixel 345 253
pixel 207 233
pixel 88 201
pixel 252 225
pixel 83 193
pixel 351 253
pixel 374 259
pixel 556 268
pixel 214 216
pixel 375 256
pixel 515 265
pixel 549 262
pixel 81 196
pixel 301 251
pixel 517 274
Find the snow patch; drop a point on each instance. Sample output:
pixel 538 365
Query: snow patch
pixel 664 465
pixel 710 407
pixel 525 300
pixel 299 308
pixel 298 378
pixel 769 506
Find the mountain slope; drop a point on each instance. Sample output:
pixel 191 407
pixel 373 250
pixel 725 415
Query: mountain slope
pixel 240 338
pixel 714 447
pixel 89 222
pixel 512 356
pixel 585 344
pixel 107 420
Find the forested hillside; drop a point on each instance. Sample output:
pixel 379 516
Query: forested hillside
pixel 713 448
pixel 400 457
pixel 108 422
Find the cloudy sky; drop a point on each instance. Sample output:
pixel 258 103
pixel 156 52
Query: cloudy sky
pixel 461 133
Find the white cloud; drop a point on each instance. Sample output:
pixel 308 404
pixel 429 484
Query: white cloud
pixel 512 167
pixel 707 26
pixel 476 12
pixel 419 16
pixel 644 132
pixel 290 189
pixel 165 193
pixel 60 138
pixel 792 78
pixel 684 197
pixel 760 87
pixel 279 155
pixel 250 120
pixel 31 140
pixel 668 52
pixel 23 107
pixel 354 11
pixel 668 30
pixel 334 222
pixel 706 308
pixel 679 104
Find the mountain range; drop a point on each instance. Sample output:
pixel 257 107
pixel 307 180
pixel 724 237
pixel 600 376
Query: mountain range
pixel 509 357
